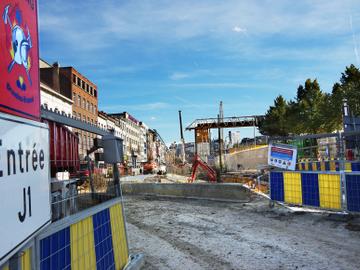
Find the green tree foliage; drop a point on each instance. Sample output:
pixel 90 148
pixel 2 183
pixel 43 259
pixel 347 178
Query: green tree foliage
pixel 275 122
pixel 312 110
pixel 350 88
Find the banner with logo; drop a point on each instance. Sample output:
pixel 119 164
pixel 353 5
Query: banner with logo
pixel 19 54
pixel 282 156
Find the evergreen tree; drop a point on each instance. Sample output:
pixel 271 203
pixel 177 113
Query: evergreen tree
pixel 275 122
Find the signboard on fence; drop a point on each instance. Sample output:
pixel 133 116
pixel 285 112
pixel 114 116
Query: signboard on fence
pixel 24 181
pixel 282 156
pixel 19 54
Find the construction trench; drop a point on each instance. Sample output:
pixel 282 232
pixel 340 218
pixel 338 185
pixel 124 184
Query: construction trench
pixel 206 226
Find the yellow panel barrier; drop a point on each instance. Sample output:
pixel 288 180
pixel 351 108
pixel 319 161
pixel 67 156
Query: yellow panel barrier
pixel 26 260
pixel 332 166
pixel 292 187
pixel 322 166
pixel 82 245
pixel 306 166
pixel 314 167
pixel 348 167
pixel 120 247
pixel 329 191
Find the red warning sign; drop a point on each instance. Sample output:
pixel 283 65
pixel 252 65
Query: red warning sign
pixel 19 54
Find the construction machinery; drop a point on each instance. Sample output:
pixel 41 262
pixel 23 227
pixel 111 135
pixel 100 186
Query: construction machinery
pixel 211 173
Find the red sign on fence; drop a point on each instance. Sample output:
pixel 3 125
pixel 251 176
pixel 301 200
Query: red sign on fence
pixel 19 54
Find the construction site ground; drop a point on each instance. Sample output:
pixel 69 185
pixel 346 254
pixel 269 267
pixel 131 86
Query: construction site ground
pixel 200 234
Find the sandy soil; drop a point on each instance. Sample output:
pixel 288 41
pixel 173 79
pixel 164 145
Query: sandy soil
pixel 195 234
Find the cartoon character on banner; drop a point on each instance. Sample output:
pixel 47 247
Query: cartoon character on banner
pixel 20 44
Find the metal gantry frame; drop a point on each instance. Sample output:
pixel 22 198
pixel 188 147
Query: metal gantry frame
pixel 226 122
pixel 66 120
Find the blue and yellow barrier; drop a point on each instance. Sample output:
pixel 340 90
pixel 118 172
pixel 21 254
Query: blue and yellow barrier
pixel 311 189
pixel 352 183
pixel 328 165
pixel 95 242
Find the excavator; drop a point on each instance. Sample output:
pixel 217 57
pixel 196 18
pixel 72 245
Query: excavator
pixel 211 173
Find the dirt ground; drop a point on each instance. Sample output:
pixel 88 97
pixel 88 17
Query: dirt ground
pixel 198 234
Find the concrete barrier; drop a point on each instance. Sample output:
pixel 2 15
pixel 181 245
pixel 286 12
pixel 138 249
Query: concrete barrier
pixel 222 192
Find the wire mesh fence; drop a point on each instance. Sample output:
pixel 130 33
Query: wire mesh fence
pixel 81 189
pixel 326 152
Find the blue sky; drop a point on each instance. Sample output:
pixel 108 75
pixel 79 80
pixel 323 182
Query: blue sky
pixel 153 58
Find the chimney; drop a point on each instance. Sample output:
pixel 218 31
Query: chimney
pixel 56 76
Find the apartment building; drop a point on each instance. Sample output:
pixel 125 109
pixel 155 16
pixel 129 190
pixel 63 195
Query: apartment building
pixel 84 95
pixel 131 133
pixel 52 95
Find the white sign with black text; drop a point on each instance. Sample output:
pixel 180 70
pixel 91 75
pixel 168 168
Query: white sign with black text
pixel 24 181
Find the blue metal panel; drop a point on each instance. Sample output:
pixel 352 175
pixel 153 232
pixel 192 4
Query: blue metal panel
pixel 318 165
pixel 355 166
pixel 327 165
pixel 103 240
pixel 55 251
pixel 277 186
pixel 353 192
pixel 310 168
pixel 310 189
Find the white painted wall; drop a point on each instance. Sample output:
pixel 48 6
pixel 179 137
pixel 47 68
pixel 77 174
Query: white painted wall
pixel 54 100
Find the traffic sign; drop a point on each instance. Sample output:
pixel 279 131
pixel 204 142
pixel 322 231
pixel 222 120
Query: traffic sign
pixel 24 181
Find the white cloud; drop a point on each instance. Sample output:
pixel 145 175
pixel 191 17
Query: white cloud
pixel 136 107
pixel 153 118
pixel 238 29
pixel 178 76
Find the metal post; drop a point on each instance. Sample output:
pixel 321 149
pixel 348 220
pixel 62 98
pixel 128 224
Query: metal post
pixel 116 177
pixel 254 133
pixel 341 141
pixel 196 150
pixel 220 146
pixel 91 180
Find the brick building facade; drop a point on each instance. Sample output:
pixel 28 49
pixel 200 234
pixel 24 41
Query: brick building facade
pixel 85 104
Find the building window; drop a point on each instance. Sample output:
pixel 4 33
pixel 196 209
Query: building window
pixel 94 109
pixel 84 104
pixel 83 85
pixel 95 93
pixel 78 81
pixel 87 88
pixel 79 101
pixel 74 78
pixel 91 90
pixel 88 106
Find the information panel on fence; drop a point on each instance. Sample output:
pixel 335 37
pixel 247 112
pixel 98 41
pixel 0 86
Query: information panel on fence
pixel 24 181
pixel 282 156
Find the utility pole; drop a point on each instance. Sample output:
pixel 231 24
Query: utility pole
pixel 220 147
pixel 182 139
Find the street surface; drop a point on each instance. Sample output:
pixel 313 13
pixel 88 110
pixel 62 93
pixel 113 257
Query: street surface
pixel 197 234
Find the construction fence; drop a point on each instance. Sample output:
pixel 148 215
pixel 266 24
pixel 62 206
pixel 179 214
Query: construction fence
pixel 339 191
pixel 93 239
pixel 327 173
